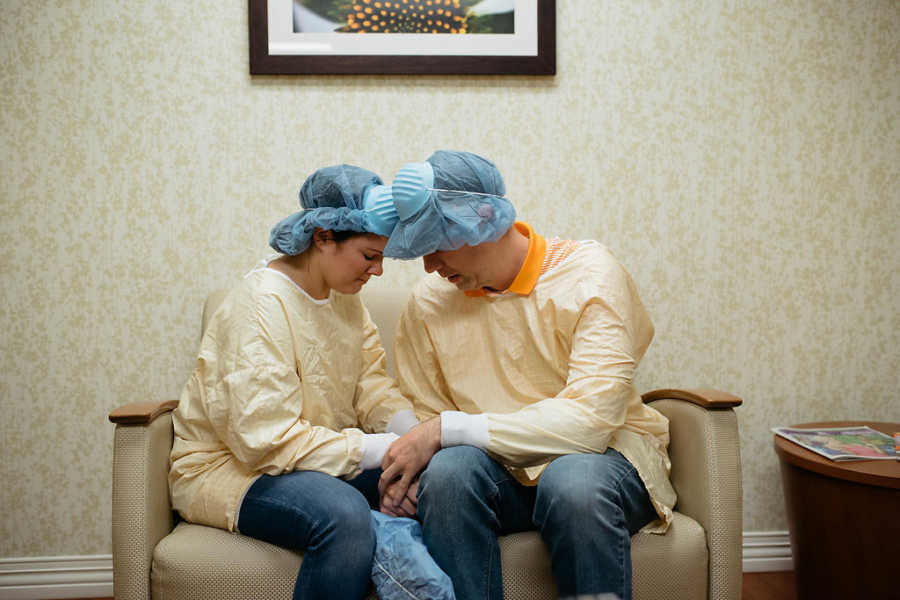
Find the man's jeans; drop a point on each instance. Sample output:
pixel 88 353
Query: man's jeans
pixel 327 518
pixel 586 507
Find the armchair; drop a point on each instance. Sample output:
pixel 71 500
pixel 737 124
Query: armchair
pixel 156 556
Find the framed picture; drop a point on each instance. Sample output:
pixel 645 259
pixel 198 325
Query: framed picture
pixel 411 37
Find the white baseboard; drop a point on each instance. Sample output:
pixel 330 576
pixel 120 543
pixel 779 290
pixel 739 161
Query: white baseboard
pixel 37 578
pixel 767 551
pixel 91 576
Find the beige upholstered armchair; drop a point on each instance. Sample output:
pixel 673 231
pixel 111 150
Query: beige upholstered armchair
pixel 155 556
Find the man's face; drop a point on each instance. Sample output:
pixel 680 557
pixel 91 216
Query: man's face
pixel 462 267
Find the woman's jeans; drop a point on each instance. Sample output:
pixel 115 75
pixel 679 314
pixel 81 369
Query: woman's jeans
pixel 585 506
pixel 325 517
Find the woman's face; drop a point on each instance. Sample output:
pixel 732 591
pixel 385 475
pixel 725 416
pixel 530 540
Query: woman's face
pixel 349 264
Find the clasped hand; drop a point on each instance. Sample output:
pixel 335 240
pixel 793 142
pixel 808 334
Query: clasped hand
pixel 403 462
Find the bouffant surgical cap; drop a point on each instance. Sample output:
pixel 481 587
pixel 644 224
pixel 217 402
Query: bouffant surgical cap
pixel 338 198
pixel 453 199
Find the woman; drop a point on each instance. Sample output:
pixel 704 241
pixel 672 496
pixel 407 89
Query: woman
pixel 278 432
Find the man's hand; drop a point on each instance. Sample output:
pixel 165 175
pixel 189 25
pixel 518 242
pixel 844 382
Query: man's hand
pixel 404 460
pixel 408 505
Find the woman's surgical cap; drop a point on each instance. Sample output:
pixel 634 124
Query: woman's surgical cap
pixel 338 198
pixel 452 200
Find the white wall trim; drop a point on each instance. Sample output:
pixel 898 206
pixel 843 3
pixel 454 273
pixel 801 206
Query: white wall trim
pixel 767 551
pixel 37 578
pixel 91 576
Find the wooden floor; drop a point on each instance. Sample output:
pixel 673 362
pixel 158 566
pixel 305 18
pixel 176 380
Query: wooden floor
pixel 756 586
pixel 778 585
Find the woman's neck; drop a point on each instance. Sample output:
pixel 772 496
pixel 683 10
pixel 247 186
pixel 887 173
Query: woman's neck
pixel 302 270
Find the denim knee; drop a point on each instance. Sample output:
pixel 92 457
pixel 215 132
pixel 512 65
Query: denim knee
pixel 453 476
pixel 572 513
pixel 452 466
pixel 575 492
pixel 349 519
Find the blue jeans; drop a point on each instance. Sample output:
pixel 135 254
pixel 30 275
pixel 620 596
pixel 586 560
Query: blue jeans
pixel 325 517
pixel 585 506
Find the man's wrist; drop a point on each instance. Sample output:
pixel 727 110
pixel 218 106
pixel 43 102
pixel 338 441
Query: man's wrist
pixel 433 431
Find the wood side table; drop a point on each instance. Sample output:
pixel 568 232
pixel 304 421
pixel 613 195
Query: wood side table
pixel 844 518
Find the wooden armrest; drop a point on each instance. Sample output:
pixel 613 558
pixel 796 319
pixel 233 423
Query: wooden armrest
pixel 707 398
pixel 141 413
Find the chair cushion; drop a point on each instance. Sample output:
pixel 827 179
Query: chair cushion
pixel 674 565
pixel 663 567
pixel 526 567
pixel 197 562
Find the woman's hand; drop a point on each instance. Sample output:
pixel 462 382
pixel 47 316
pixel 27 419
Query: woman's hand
pixel 403 462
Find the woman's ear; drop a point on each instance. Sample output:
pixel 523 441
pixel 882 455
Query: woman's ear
pixel 322 238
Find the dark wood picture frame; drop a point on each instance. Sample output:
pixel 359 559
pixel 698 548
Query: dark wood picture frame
pixel 263 63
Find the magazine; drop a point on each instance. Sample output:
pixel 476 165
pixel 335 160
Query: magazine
pixel 842 443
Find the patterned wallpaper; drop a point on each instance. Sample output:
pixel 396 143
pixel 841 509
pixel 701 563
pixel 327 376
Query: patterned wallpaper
pixel 741 159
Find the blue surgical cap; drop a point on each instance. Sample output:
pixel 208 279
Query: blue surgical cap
pixel 338 198
pixel 452 200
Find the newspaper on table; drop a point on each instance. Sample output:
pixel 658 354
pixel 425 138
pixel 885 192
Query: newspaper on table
pixel 842 443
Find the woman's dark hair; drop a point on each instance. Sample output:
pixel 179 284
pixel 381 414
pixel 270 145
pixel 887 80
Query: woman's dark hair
pixel 343 236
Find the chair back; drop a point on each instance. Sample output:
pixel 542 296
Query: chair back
pixel 385 305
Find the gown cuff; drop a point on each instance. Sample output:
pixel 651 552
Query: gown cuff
pixel 374 445
pixel 462 429
pixel 402 421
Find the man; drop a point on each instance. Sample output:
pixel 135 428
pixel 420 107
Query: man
pixel 519 353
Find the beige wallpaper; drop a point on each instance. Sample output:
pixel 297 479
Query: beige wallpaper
pixel 741 158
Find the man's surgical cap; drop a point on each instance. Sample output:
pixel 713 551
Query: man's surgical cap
pixel 452 200
pixel 338 198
